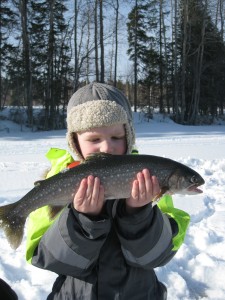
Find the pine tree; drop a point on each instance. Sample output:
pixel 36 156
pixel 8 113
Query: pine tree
pixel 148 40
pixel 204 62
pixel 8 21
pixel 138 40
pixel 51 39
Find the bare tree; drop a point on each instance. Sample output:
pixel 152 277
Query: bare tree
pixel 50 105
pixel 161 106
pixel 184 58
pixel 174 25
pixel 101 33
pixel 194 107
pixel 96 41
pixel 166 59
pixel 221 14
pixel 175 57
pixel 75 46
pixel 88 44
pixel 135 57
pixel 27 60
pixel 116 42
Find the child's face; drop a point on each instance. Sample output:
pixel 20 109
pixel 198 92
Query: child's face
pixel 110 140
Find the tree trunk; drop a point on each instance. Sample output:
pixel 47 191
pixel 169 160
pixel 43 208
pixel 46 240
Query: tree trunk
pixel 161 106
pixel 116 43
pixel 198 73
pixel 96 41
pixel 75 87
pixel 222 18
pixel 135 58
pixel 166 63
pixel 175 61
pixel 1 105
pixel 102 77
pixel 184 59
pixel 87 47
pixel 50 96
pixel 27 61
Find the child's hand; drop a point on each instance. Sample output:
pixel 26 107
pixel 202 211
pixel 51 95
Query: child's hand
pixel 89 198
pixel 145 188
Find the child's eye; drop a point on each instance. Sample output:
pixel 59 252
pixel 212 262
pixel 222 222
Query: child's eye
pixel 95 140
pixel 118 137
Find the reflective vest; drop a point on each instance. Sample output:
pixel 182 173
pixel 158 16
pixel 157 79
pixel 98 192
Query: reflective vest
pixel 39 220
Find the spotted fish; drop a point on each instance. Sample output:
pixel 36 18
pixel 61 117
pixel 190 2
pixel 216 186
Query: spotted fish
pixel 116 173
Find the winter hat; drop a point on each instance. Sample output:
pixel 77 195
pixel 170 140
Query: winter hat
pixel 98 105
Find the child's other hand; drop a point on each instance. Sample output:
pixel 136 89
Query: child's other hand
pixel 89 198
pixel 144 189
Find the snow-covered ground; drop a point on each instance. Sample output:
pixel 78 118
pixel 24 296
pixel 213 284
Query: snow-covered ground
pixel 198 269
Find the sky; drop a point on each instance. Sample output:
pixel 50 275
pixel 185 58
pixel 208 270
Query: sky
pixel 197 271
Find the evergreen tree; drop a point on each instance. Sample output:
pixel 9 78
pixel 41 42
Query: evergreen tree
pixel 8 21
pixel 204 62
pixel 50 44
pixel 138 40
pixel 39 41
pixel 149 53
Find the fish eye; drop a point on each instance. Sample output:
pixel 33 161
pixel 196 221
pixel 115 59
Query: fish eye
pixel 194 179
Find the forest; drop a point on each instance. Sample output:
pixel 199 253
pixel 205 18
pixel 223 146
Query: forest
pixel 175 50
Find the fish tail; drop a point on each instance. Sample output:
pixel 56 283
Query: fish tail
pixel 13 224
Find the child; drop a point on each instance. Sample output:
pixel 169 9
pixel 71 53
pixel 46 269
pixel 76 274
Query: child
pixel 104 249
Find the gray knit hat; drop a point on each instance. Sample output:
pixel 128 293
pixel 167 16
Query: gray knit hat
pixel 98 105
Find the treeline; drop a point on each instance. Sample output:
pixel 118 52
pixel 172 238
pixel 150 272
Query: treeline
pixel 48 49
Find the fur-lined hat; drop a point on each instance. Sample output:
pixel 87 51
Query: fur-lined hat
pixel 98 105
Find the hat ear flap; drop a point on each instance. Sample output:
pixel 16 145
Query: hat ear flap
pixel 74 145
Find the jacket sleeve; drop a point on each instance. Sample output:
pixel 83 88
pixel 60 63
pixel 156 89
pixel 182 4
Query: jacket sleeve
pixel 72 244
pixel 146 236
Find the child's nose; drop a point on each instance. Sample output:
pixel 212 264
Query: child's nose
pixel 106 147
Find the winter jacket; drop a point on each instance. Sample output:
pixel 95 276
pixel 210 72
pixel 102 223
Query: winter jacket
pixel 111 256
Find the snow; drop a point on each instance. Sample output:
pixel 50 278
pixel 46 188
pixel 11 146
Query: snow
pixel 197 271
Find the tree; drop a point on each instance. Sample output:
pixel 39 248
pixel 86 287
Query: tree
pixel 199 44
pixel 23 7
pixel 163 75
pixel 116 42
pixel 96 41
pixel 50 47
pixel 174 60
pixel 8 18
pixel 76 76
pixel 137 39
pixel 151 49
pixel 101 33
pixel 48 51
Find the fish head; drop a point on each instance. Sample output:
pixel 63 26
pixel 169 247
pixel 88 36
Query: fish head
pixel 185 181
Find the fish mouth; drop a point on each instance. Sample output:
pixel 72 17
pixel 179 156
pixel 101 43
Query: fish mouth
pixel 194 189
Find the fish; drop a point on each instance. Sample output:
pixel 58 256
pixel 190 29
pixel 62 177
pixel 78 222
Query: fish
pixel 116 174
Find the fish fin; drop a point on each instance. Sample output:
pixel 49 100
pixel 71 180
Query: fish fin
pixel 163 190
pixel 64 170
pixel 93 156
pixel 53 211
pixel 13 225
pixel 38 183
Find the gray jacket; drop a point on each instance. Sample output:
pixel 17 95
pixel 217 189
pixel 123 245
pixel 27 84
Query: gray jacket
pixel 111 257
